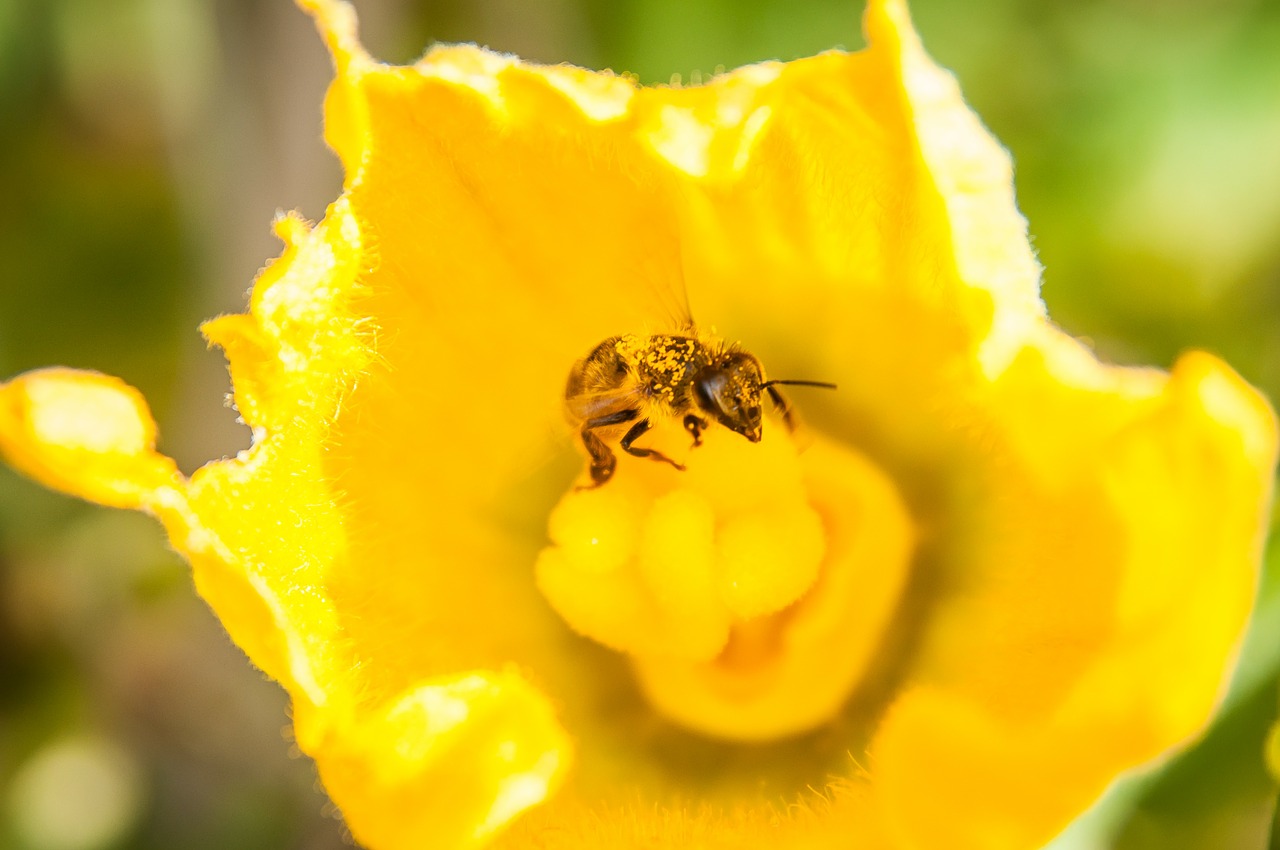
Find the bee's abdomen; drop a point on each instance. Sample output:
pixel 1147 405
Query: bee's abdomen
pixel 601 370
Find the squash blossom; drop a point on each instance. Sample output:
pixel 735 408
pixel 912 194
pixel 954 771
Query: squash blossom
pixel 975 583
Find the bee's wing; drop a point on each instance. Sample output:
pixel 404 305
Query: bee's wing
pixel 666 294
pixel 591 405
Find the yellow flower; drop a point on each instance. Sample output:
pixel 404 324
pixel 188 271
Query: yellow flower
pixel 988 575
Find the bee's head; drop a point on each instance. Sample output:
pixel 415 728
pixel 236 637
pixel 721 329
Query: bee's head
pixel 729 392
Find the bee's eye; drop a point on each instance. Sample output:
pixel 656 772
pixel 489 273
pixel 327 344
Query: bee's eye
pixel 710 389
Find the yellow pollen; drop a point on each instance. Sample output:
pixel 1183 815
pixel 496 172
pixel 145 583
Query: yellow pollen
pixel 750 591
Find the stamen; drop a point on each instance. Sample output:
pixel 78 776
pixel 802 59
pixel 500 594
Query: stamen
pixel 749 591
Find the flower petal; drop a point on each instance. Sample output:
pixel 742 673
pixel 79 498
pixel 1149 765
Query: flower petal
pixel 87 434
pixel 1108 573
pixel 446 764
pixel 378 742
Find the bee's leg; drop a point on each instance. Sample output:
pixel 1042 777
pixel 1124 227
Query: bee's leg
pixel 784 407
pixel 695 426
pixel 603 461
pixel 634 434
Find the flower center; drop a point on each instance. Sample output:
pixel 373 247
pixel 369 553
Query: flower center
pixel 750 591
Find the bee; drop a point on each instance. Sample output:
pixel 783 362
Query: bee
pixel 635 380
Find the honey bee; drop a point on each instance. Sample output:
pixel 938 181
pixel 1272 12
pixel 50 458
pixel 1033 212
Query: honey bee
pixel 636 379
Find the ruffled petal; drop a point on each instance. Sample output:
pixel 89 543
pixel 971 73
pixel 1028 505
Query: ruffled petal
pixel 1102 573
pixel 86 434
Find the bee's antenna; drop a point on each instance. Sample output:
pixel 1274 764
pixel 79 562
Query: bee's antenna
pixel 823 384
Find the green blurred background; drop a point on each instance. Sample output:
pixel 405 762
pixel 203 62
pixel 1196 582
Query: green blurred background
pixel 145 146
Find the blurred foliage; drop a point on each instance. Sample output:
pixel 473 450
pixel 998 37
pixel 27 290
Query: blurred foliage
pixel 145 145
